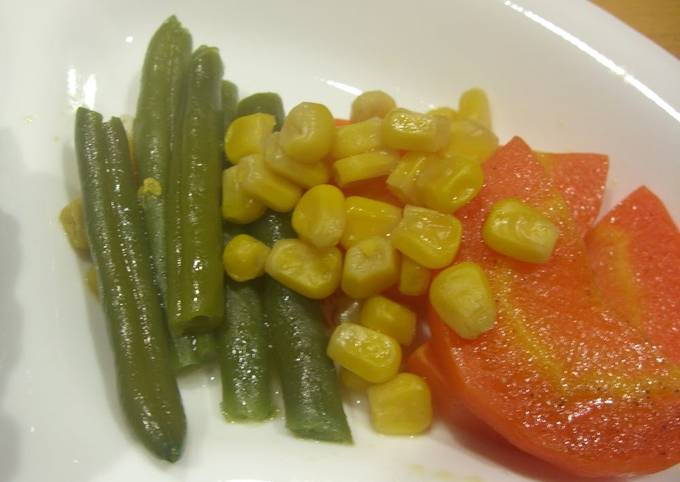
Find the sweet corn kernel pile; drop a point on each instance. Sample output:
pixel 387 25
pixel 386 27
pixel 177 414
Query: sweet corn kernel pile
pixel 369 247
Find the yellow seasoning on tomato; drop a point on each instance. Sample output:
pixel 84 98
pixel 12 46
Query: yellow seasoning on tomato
pixel 428 237
pixel 517 230
pixel 371 355
pixel 462 298
pixel 402 406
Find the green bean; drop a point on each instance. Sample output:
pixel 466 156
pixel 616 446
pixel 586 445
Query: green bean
pixel 146 383
pixel 229 103
pixel 193 218
pixel 192 351
pixel 243 353
pixel 158 109
pixel 267 102
pixel 309 382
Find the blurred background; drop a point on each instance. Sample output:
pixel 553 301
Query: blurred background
pixel 657 19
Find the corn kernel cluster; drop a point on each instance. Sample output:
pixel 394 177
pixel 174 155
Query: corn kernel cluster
pixel 361 247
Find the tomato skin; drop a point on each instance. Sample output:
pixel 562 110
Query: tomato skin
pixel 635 254
pixel 559 376
pixel 581 179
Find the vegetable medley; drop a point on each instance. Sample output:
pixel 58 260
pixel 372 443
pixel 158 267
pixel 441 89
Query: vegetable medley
pixel 337 238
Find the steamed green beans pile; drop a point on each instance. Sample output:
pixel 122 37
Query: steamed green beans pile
pixel 156 235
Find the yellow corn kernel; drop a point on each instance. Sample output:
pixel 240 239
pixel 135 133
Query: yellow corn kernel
pixel 462 298
pixel 91 280
pixel 402 406
pixel 413 278
pixel 72 218
pixel 405 129
pixel 388 317
pixel 237 205
pixel 246 135
pixel 353 381
pixel 244 257
pixel 308 132
pixel 428 237
pixel 302 174
pixel 354 139
pixel 519 231
pixel 372 103
pixel 373 356
pixel 402 180
pixel 473 104
pixel 447 184
pixel 265 185
pixel 304 269
pixel 471 140
pixel 371 266
pixel 364 166
pixel 319 217
pixel 366 218
pixel 447 112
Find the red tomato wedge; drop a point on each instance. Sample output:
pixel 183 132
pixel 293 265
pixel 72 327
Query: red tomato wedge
pixel 581 179
pixel 558 376
pixel 635 254
pixel 422 363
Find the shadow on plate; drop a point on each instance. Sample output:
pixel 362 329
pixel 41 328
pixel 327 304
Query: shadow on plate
pixel 10 341
pixel 480 439
pixel 10 318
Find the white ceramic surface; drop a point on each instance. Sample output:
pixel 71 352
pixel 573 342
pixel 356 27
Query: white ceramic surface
pixel 564 75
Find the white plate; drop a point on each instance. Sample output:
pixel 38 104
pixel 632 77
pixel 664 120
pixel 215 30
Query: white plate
pixel 564 75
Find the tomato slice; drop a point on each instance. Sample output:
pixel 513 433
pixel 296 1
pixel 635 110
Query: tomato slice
pixel 581 179
pixel 559 376
pixel 422 362
pixel 635 254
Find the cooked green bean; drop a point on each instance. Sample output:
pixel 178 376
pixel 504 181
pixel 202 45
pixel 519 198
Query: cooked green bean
pixel 195 301
pixel 267 102
pixel 158 109
pixel 191 351
pixel 146 383
pixel 243 354
pixel 309 382
pixel 229 103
